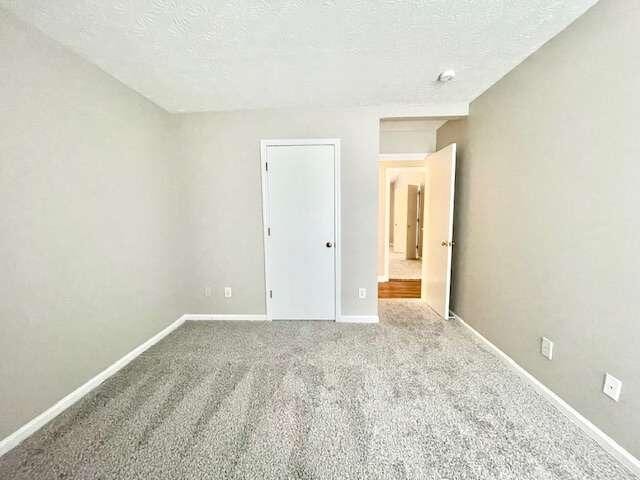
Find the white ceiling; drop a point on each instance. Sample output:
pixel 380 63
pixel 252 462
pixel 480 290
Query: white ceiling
pixel 198 55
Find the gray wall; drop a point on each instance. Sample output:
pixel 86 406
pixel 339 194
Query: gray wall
pixel 403 135
pixel 89 222
pixel 547 227
pixel 220 153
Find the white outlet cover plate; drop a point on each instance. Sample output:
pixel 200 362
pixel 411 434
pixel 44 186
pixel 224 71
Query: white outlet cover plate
pixel 227 292
pixel 362 292
pixel 612 387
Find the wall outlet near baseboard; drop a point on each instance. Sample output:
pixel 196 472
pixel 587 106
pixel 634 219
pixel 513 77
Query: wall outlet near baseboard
pixel 207 291
pixel 546 348
pixel 227 292
pixel 362 293
pixel 612 387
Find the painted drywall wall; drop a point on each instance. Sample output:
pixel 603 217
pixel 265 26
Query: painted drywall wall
pixel 90 249
pixel 220 153
pixel 404 135
pixel 547 227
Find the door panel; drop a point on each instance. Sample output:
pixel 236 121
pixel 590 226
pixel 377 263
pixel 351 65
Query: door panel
pixel 420 220
pixel 301 250
pixel 438 237
pixel 412 222
pixel 392 205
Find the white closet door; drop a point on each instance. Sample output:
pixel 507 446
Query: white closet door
pixel 301 252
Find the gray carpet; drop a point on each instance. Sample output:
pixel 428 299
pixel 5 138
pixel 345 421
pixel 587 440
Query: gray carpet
pixel 413 397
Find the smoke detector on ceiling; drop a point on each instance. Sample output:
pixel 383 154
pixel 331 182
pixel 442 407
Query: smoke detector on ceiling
pixel 446 76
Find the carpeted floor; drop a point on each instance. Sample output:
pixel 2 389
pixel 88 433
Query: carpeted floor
pixel 413 397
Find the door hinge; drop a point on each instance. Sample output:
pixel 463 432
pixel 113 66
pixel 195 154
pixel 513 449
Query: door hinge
pixel 268 231
pixel 270 293
pixel 266 166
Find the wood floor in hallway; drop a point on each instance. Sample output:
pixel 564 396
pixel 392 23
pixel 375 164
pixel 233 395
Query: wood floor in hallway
pixel 399 288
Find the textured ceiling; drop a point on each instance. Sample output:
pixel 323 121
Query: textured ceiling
pixel 197 55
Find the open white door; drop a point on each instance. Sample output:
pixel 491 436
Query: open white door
pixel 301 207
pixel 438 234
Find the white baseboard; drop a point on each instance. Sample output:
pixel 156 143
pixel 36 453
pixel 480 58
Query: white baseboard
pixel 256 317
pixel 383 278
pixel 35 424
pixel 604 440
pixel 358 319
pixel 263 317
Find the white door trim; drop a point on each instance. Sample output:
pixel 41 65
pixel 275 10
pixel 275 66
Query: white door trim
pixel 402 157
pixel 264 144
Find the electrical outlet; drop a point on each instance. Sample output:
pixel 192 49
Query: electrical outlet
pixel 546 348
pixel 207 291
pixel 612 387
pixel 227 292
pixel 362 292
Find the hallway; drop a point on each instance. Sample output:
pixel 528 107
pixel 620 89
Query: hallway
pixel 403 269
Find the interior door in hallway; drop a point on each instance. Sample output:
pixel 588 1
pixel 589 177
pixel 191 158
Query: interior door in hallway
pixel 438 237
pixel 420 220
pixel 412 222
pixel 299 183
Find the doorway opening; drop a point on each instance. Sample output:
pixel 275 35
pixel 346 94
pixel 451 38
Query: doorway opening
pixel 406 216
pixel 415 217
